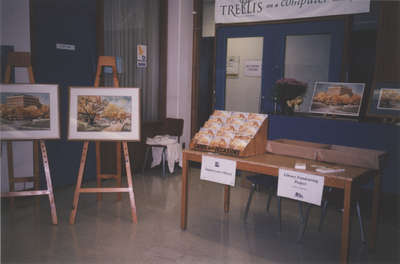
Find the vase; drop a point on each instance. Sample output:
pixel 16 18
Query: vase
pixel 285 109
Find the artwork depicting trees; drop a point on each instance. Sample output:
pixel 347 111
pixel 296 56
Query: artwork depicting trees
pixel 340 99
pixel 104 113
pixel 389 99
pixel 24 111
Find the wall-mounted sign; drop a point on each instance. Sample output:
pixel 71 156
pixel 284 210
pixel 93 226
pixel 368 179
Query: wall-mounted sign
pixel 232 65
pixel 300 186
pixel 252 68
pixel 141 56
pixel 239 11
pixel 218 170
pixel 62 46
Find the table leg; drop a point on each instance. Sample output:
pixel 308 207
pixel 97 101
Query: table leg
pixel 344 252
pixel 184 198
pixel 375 211
pixel 227 198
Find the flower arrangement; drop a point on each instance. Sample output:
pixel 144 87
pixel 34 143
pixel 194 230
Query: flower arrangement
pixel 288 94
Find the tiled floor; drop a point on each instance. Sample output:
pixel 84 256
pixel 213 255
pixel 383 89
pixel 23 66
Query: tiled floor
pixel 104 233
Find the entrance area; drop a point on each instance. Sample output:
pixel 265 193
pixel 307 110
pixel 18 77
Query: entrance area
pixel 250 59
pixel 243 75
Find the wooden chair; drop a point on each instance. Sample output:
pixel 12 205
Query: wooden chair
pixel 171 127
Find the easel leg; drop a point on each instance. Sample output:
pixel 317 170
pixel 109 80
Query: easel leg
pixel 10 160
pixel 129 178
pixel 36 179
pixel 78 183
pixel 48 181
pixel 118 168
pixel 36 164
pixel 98 169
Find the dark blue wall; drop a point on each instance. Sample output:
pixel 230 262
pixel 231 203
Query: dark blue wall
pixel 348 133
pixel 66 22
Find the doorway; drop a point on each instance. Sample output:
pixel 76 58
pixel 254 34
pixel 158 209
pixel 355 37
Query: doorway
pixel 306 51
pixel 243 74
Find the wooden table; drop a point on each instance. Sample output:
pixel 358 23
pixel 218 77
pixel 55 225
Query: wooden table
pixel 270 164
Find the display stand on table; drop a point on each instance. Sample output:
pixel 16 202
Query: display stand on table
pixel 109 61
pixel 105 61
pixel 256 146
pixel 23 59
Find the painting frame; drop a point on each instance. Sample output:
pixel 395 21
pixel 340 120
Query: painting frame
pixel 106 127
pixel 338 101
pixel 374 110
pixel 29 112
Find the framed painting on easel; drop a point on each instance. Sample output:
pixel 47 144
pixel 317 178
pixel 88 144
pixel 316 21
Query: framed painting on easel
pixel 104 114
pixel 29 111
pixel 384 100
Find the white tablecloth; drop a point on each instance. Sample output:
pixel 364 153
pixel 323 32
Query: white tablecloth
pixel 173 154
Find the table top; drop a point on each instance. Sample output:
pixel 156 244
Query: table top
pixel 270 160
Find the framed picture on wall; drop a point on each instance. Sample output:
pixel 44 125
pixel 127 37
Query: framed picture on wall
pixel 29 111
pixel 337 98
pixel 384 100
pixel 104 114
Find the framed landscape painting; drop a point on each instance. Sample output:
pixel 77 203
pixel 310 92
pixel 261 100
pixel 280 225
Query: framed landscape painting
pixel 337 98
pixel 29 111
pixel 97 113
pixel 384 100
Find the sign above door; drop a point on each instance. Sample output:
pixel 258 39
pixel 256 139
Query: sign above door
pixel 239 11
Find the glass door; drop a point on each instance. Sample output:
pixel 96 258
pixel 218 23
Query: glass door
pixel 306 51
pixel 243 74
pixel 307 59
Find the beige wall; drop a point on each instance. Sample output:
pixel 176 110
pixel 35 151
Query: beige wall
pixel 14 30
pixel 179 65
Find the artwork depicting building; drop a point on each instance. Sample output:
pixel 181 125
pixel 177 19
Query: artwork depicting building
pixel 339 90
pixel 22 101
pixel 19 102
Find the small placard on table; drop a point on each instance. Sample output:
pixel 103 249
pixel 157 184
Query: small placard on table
pixel 218 170
pixel 300 186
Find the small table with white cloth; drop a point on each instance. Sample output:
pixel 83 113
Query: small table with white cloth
pixel 165 148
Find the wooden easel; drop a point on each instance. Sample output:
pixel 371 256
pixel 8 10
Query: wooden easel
pixel 23 59
pixel 107 61
pixel 79 190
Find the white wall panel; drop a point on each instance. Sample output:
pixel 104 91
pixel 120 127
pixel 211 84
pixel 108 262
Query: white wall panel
pixel 179 71
pixel 15 31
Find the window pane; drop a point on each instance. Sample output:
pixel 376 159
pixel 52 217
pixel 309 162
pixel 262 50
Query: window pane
pixel 243 74
pixel 307 60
